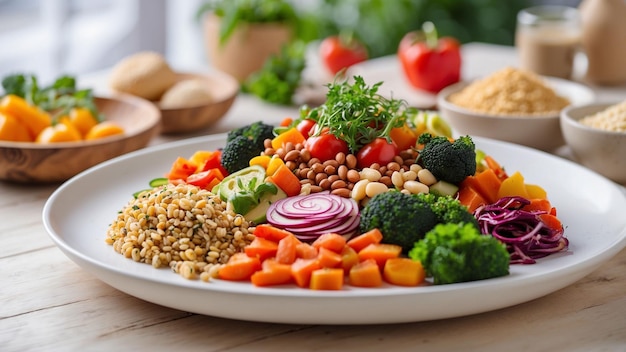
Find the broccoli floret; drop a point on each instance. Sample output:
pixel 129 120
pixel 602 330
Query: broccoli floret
pixel 402 219
pixel 450 210
pixel 448 161
pixel 459 253
pixel 237 153
pixel 258 132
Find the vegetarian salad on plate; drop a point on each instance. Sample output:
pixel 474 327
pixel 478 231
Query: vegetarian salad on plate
pixel 360 191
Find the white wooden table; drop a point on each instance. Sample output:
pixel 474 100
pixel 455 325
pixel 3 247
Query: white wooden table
pixel 48 303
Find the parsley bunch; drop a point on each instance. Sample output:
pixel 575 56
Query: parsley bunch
pixel 357 114
pixel 276 82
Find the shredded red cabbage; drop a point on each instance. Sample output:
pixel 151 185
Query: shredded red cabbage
pixel 523 232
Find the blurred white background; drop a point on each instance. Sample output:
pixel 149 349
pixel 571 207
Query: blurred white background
pixel 53 37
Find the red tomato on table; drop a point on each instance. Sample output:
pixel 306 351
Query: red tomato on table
pixel 338 52
pixel 430 63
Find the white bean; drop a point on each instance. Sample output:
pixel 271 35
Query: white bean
pixel 416 187
pixel 415 168
pixel 397 179
pixel 409 176
pixel 374 188
pixel 358 191
pixel 426 177
pixel 370 174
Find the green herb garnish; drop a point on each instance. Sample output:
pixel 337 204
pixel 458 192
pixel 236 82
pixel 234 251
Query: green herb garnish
pixel 357 114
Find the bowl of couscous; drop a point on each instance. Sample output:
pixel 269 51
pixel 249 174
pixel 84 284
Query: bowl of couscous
pixel 596 135
pixel 512 105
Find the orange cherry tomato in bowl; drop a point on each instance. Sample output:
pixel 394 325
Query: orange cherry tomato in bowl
pixel 377 151
pixel 325 146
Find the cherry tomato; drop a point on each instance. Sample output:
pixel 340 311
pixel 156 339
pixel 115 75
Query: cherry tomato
pixel 325 146
pixel 377 151
pixel 338 52
pixel 306 127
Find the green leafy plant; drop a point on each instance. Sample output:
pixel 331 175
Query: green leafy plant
pixel 234 13
pixel 280 76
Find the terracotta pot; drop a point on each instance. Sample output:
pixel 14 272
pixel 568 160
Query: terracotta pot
pixel 245 51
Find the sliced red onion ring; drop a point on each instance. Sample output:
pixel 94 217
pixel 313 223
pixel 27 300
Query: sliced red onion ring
pixel 310 216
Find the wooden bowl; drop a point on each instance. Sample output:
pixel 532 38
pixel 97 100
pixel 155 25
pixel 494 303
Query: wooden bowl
pixel 26 162
pixel 223 88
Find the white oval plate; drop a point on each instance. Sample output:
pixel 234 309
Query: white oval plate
pixel 78 213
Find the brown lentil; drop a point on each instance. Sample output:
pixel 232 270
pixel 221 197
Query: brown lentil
pixel 342 172
pixel 342 192
pixel 338 184
pixel 292 155
pixel 340 158
pixel 351 161
pixel 181 226
pixel 353 176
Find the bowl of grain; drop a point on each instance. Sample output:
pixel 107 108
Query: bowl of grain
pixel 512 105
pixel 596 135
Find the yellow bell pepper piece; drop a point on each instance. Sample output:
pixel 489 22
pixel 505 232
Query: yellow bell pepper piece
pixel 261 160
pixel 274 163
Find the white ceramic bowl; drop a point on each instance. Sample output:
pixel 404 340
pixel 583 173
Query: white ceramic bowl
pixel 600 150
pixel 539 132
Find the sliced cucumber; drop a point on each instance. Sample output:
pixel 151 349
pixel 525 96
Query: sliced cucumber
pixel 443 188
pixel 159 181
pixel 239 180
pixel 258 214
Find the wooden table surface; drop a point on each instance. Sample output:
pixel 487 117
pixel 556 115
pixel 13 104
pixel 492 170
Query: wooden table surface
pixel 48 303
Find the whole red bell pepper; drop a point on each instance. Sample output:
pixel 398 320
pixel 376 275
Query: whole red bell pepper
pixel 342 51
pixel 430 63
